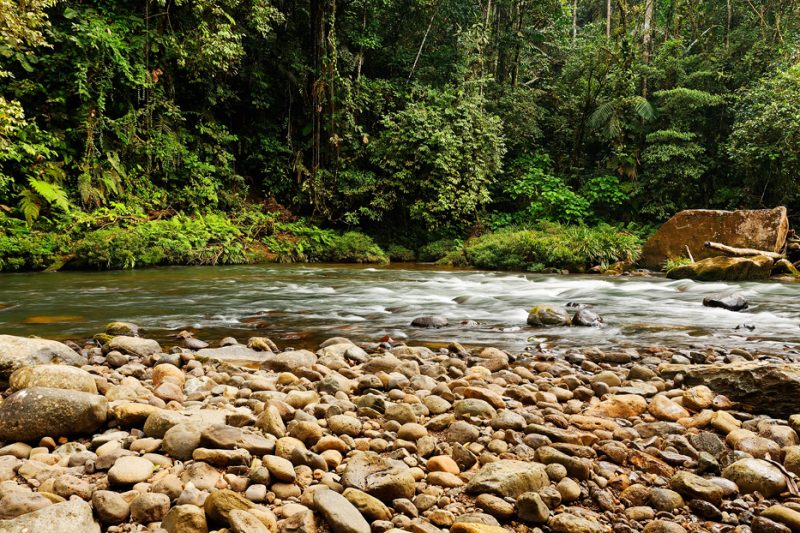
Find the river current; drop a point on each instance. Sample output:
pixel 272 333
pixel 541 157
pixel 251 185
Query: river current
pixel 299 305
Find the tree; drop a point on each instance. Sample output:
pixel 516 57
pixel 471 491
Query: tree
pixel 764 144
pixel 440 155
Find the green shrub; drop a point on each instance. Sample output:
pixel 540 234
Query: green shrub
pixel 401 254
pixel 575 248
pixel 437 250
pixel 354 247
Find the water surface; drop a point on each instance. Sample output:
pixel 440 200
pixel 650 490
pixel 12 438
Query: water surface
pixel 302 305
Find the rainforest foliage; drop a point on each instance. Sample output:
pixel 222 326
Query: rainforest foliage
pixel 167 131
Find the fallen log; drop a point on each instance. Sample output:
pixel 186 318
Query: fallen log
pixel 741 252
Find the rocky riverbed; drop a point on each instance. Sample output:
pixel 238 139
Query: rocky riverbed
pixel 123 434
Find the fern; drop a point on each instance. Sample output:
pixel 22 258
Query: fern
pixel 52 193
pixel 29 205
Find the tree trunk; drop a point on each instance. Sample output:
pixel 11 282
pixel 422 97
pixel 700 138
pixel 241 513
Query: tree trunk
pixel 741 252
pixel 649 7
pixel 574 21
pixel 608 19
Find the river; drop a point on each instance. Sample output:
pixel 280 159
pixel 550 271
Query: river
pixel 300 305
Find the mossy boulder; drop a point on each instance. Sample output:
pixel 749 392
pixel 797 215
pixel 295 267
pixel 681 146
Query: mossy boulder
pixel 725 269
pixel 547 315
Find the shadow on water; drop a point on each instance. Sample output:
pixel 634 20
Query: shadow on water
pixel 300 305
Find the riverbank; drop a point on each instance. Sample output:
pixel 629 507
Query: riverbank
pixel 360 437
pixel 254 235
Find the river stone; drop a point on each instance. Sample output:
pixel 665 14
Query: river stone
pixel 19 502
pixel 725 269
pixel 763 387
pixel 783 515
pixel 386 479
pixel 237 353
pixel 158 422
pixel 509 478
pixel 246 522
pixel 369 506
pixel 472 527
pixel 663 408
pixel 220 503
pixel 729 301
pixel 53 377
pixel 341 515
pixel 16 352
pixel 129 470
pixel 763 229
pixel 111 507
pixel 692 486
pixel 149 507
pixel 756 475
pixel 429 322
pixel 181 441
pixel 619 406
pixel 569 523
pixel 74 516
pixel 587 318
pixel 663 526
pixel 31 414
pixel 291 361
pixel 134 346
pixel 547 315
pixel 122 328
pixel 185 519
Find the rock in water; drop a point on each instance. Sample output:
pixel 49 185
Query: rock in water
pixel 587 318
pixel 429 322
pixel 764 229
pixel 547 315
pixel 53 377
pixel 508 477
pixel 768 388
pixel 16 352
pixel 725 269
pixel 729 301
pixel 30 414
pixel 74 516
pixel 340 514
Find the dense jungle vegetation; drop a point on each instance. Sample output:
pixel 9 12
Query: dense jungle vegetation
pixel 500 133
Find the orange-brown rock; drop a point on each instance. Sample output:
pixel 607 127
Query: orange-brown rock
pixel 763 229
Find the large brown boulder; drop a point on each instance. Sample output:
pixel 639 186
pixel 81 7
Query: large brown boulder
pixel 763 388
pixel 763 229
pixel 725 269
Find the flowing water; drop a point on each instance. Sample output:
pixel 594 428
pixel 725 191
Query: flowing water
pixel 302 305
